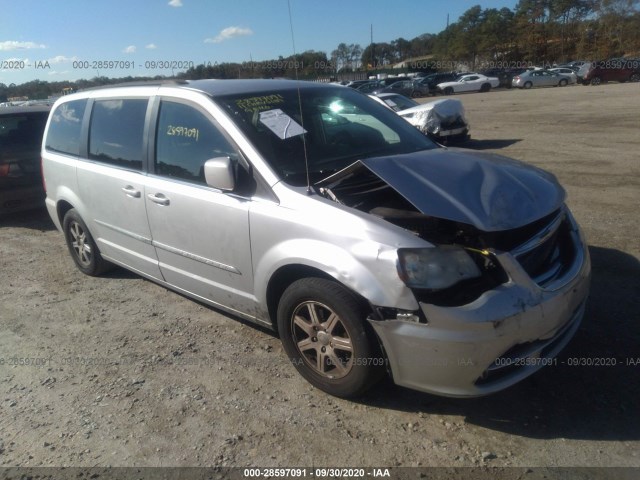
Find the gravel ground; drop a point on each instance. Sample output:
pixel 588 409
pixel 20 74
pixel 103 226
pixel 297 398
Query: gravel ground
pixel 117 371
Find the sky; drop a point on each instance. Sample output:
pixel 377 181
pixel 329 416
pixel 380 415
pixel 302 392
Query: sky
pixel 74 39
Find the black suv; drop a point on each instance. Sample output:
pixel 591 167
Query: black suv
pixel 21 130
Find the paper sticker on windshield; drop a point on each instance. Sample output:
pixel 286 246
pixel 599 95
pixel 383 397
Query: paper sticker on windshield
pixel 255 104
pixel 281 124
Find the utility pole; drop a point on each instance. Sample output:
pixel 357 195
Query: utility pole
pixel 371 47
pixel 446 38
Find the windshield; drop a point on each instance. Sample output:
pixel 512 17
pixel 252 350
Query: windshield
pixel 398 102
pixel 338 126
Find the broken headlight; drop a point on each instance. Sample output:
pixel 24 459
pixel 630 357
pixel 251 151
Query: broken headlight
pixel 435 268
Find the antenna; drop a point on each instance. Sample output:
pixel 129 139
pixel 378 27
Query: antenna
pixel 295 67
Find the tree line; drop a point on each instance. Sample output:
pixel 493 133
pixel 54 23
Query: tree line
pixel 535 32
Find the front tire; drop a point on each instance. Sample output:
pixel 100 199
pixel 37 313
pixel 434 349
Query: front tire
pixel 596 81
pixel 448 91
pixel 323 330
pixel 82 247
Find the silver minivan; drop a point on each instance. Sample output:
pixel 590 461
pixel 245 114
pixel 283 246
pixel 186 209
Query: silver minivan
pixel 315 211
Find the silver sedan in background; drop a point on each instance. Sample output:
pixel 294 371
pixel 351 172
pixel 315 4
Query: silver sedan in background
pixel 540 78
pixel 573 78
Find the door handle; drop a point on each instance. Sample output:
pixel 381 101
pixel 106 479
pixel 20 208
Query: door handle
pixel 158 198
pixel 131 192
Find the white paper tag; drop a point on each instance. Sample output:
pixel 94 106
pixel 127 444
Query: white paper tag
pixel 281 124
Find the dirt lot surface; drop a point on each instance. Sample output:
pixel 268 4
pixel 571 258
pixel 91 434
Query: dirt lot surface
pixel 129 373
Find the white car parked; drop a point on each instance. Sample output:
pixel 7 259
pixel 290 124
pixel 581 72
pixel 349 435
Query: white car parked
pixel 441 120
pixel 469 83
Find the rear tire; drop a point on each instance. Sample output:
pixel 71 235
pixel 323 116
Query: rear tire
pixel 323 329
pixel 563 83
pixel 528 85
pixel 596 81
pixel 485 87
pixel 82 247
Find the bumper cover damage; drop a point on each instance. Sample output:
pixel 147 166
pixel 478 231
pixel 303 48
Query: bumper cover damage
pixel 500 338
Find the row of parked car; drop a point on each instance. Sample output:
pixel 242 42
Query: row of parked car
pixel 448 83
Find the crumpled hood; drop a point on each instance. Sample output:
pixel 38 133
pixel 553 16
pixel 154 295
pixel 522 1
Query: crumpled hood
pixel 487 191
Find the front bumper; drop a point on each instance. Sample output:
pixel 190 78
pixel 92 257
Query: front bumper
pixel 497 340
pixel 453 134
pixel 453 131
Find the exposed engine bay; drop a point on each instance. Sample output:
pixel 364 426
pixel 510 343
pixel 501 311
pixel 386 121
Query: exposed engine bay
pixel 362 188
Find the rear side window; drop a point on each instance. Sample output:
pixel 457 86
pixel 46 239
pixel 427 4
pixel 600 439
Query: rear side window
pixel 64 129
pixel 186 139
pixel 116 134
pixel 22 130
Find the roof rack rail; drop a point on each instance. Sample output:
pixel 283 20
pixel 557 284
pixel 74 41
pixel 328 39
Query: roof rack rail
pixel 139 83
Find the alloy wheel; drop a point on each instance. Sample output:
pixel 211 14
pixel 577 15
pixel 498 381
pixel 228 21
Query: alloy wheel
pixel 322 339
pixel 79 243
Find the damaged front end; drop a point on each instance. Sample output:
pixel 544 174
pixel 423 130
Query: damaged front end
pixel 441 120
pixel 502 279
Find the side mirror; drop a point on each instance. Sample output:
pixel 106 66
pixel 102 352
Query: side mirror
pixel 219 173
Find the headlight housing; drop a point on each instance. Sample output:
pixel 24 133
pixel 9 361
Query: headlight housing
pixel 435 268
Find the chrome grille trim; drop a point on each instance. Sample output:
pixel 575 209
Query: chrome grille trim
pixel 541 237
pixel 563 257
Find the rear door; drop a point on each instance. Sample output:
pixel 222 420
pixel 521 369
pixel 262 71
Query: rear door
pixel 111 183
pixel 201 234
pixel 621 71
pixel 549 79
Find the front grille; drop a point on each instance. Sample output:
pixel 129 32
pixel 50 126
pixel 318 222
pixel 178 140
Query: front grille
pixel 457 123
pixel 548 254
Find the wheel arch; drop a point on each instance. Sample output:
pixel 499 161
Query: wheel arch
pixel 285 276
pixel 65 199
pixel 62 207
pixel 367 269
